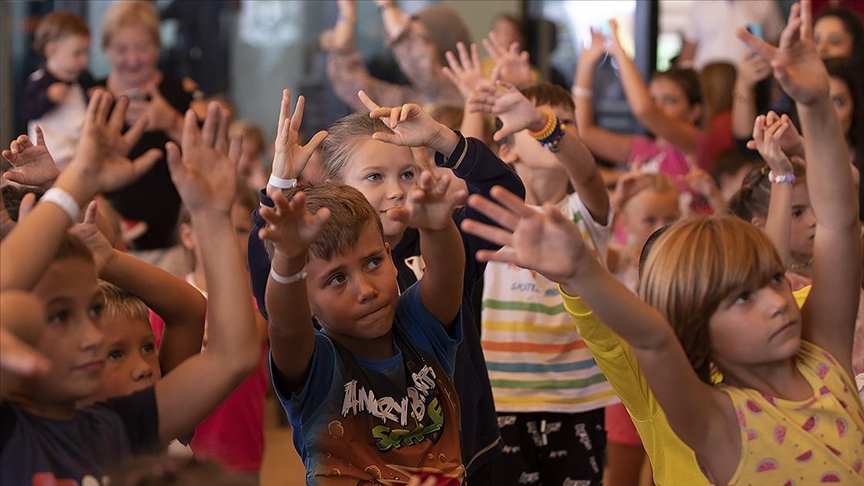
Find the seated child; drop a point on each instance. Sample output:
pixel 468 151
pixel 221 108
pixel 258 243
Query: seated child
pixel 55 96
pixel 369 395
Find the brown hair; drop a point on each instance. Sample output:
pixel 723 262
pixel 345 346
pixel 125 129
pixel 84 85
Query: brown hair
pixel 121 304
pixel 350 214
pixel 342 140
pixel 549 94
pixel 130 13
pixel 752 199
pixel 687 80
pixel 659 183
pixel 694 266
pixel 717 81
pixel 55 26
pixel 251 132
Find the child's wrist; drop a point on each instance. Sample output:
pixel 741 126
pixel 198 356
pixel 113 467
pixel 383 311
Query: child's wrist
pixel 541 119
pixel 445 141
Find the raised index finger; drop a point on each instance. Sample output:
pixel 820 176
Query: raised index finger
pixel 763 49
pixel 367 101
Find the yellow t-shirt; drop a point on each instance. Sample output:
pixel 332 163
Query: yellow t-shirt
pixel 673 462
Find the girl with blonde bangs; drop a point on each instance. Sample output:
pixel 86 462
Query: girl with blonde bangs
pixel 787 411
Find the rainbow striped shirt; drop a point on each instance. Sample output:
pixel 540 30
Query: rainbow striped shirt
pixel 536 359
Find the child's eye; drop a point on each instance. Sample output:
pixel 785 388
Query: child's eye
pixel 409 174
pixel 797 213
pixel 374 177
pixel 58 317
pixel 335 280
pixel 373 263
pixel 148 348
pixel 115 355
pixel 96 310
pixel 742 298
pixel 650 221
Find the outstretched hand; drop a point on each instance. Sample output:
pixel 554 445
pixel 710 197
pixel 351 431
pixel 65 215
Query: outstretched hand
pixel 290 158
pixel 506 102
pixel 429 205
pixel 512 64
pixel 797 65
pixel 33 164
pixel 466 73
pixel 101 155
pixel 544 241
pixel 596 51
pixel 290 226
pixel 205 175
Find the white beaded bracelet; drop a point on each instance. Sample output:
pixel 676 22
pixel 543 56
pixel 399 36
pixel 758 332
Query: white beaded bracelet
pixel 63 199
pixel 288 280
pixel 281 183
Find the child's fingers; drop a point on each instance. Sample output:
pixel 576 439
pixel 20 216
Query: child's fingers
pixel 297 117
pixel 211 125
pixel 118 114
pixel 191 136
pixel 316 141
pixel 449 74
pixel 19 358
pixel 90 213
pixel 806 20
pixel 104 108
pixel 475 55
pixel 778 133
pixel 93 106
pixel 144 163
pixel 758 128
pixel 131 137
pixel 495 212
pixel 284 111
pixel 367 101
pixel 452 62
pixel 763 49
pixel 488 232
pixel 380 113
pixel 24 142
pixel 491 48
pixel 40 135
pixel 394 116
pixel 386 137
pixel 464 57
pixel 222 131
pixel 235 148
pixel 512 202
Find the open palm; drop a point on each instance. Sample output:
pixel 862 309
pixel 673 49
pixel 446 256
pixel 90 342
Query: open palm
pixel 33 164
pixel 290 226
pixel 290 158
pixel 428 205
pixel 545 242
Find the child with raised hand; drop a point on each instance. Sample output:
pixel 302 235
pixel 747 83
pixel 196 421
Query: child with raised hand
pixel 43 437
pixel 385 173
pixel 669 108
pixel 549 394
pixel 129 288
pixel 369 396
pixel 786 410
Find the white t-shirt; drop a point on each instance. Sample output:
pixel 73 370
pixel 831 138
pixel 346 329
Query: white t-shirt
pixel 712 25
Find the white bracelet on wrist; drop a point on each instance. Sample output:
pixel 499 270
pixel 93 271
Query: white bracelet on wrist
pixel 64 200
pixel 281 183
pixel 580 92
pixel 290 279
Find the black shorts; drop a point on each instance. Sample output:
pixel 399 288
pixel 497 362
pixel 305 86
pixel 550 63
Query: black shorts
pixel 551 449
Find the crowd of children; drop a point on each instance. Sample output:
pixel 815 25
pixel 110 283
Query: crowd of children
pixel 434 306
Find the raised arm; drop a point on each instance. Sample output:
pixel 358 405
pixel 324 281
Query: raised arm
pixel 33 164
pixel 608 145
pixel 97 167
pixel 751 70
pixel 778 224
pixel 829 313
pixel 346 70
pixel 518 113
pixel 291 229
pixel 550 244
pixel 466 73
pixel 681 134
pixel 206 179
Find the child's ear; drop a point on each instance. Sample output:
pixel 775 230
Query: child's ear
pixel 696 113
pixel 187 237
pixel 758 222
pixel 50 49
pixel 507 154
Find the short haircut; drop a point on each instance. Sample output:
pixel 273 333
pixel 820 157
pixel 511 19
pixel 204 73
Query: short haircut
pixel 57 25
pixel 121 304
pixel 350 214
pixel 129 13
pixel 344 138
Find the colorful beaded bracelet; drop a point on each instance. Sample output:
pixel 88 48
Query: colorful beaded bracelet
pixel 781 178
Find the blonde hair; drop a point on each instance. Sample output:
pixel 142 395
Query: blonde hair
pixel 57 25
pixel 121 304
pixel 130 13
pixel 344 138
pixel 659 183
pixel 697 264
